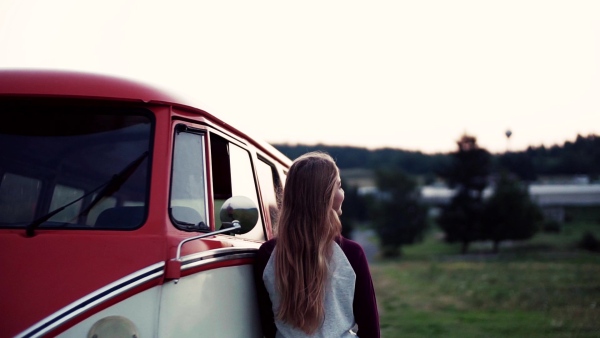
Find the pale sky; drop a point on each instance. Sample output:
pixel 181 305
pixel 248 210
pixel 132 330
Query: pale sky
pixel 413 75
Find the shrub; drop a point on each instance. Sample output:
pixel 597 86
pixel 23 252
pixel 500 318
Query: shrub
pixel 589 242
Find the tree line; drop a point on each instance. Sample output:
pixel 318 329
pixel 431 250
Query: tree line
pixel 578 157
pixel 399 218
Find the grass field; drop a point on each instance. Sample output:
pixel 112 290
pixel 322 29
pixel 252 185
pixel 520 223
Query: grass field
pixel 544 287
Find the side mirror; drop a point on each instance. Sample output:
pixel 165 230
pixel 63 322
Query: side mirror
pixel 237 213
pixel 241 209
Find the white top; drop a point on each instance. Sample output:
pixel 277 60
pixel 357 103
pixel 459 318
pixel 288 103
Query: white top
pixel 339 297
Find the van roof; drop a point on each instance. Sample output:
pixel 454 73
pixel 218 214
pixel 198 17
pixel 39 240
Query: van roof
pixel 54 83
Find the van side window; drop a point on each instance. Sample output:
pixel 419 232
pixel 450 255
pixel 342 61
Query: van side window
pixel 187 206
pixel 233 176
pixel 270 189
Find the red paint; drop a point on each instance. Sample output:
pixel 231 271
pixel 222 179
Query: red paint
pixel 54 269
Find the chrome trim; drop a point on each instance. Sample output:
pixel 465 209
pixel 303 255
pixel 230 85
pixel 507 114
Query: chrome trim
pixel 216 252
pixel 218 255
pixel 93 299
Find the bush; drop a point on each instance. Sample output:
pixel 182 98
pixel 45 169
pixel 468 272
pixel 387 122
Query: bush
pixel 589 242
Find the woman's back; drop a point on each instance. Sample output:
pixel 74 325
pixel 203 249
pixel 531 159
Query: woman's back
pixel 351 281
pixel 339 296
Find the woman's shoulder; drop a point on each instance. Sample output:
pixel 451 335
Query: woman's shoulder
pixel 264 254
pixel 266 248
pixel 352 249
pixel 347 244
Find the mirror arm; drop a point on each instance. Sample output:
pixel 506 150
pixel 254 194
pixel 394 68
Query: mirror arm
pixel 174 265
pixel 235 226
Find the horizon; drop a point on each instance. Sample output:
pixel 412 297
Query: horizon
pixel 428 153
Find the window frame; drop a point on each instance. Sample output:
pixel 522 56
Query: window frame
pixel 252 158
pixel 277 189
pixel 183 127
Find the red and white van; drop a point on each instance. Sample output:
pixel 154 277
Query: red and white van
pixel 125 212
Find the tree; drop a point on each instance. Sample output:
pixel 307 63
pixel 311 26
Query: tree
pixel 509 213
pixel 519 163
pixel 397 215
pixel 461 219
pixel 468 173
pixel 354 210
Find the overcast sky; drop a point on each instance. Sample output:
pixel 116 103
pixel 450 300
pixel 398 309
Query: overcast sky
pixel 414 75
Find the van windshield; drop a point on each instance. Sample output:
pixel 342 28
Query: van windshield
pixel 73 166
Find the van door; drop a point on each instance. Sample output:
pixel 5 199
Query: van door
pixel 215 295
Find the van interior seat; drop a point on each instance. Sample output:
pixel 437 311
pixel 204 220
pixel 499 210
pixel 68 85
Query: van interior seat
pixel 121 217
pixel 186 214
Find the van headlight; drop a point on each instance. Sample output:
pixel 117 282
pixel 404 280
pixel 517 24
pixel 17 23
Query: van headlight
pixel 113 327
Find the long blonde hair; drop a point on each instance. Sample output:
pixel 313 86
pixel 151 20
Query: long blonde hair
pixel 307 226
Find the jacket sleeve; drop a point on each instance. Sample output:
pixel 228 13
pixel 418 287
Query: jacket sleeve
pixel 365 303
pixel 267 318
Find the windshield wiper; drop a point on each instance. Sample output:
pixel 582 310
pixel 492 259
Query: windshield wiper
pixel 193 227
pixel 116 182
pixel 109 186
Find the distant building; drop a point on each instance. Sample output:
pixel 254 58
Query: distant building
pixel 552 198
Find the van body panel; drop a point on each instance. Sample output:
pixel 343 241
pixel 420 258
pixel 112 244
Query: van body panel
pixel 58 270
pixel 102 258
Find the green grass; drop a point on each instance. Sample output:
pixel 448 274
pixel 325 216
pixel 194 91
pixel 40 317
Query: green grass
pixel 544 287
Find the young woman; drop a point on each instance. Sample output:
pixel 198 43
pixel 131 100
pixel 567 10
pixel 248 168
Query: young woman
pixel 312 282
